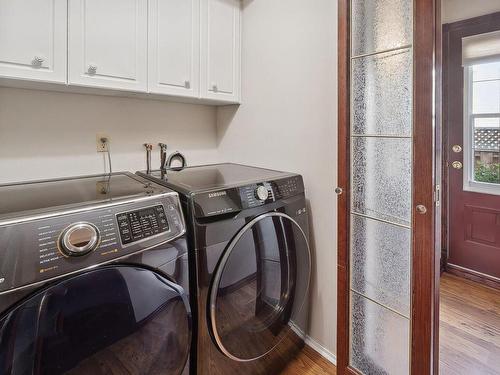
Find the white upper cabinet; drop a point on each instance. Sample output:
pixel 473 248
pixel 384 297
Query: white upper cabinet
pixel 108 43
pixel 183 48
pixel 220 50
pixel 174 47
pixel 33 39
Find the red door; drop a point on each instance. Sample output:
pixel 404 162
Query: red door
pixel 472 115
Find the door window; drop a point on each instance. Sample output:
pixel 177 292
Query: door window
pixel 482 126
pixel 259 287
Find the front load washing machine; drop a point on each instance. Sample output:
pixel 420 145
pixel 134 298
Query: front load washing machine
pixel 93 278
pixel 248 240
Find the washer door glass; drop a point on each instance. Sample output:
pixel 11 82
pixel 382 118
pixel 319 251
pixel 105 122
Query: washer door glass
pixel 117 320
pixel 259 287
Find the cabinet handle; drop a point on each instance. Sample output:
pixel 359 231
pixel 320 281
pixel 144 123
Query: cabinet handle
pixel 214 87
pixel 37 61
pixel 92 69
pixel 187 84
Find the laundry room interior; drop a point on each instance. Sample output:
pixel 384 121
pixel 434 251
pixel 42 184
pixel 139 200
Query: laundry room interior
pixel 206 187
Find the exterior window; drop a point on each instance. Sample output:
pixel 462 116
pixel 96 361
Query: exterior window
pixel 482 127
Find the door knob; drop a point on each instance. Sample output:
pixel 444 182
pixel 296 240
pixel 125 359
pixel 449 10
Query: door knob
pixel 421 209
pixel 338 190
pixel 457 149
pixel 457 165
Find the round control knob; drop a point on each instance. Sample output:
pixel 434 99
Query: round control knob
pixel 79 239
pixel 261 193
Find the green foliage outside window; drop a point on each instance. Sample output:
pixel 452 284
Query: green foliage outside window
pixel 487 173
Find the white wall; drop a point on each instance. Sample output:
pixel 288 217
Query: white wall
pixel 49 134
pixel 288 122
pixel 456 10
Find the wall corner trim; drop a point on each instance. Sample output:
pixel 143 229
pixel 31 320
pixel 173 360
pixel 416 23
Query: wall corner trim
pixel 327 354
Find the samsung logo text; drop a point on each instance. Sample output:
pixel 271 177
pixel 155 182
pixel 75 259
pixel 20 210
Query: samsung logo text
pixel 217 194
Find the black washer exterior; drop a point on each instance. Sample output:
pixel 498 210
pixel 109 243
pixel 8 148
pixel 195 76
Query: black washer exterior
pixel 123 308
pixel 216 210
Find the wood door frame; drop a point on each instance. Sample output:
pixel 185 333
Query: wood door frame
pixel 452 36
pixel 344 199
pixel 424 287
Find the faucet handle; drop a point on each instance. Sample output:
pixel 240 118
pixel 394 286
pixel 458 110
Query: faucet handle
pixel 163 155
pixel 149 147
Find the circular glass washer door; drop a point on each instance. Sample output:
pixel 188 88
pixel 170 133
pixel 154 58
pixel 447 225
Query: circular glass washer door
pixel 259 287
pixel 113 320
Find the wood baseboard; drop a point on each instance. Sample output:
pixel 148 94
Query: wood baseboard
pixel 466 273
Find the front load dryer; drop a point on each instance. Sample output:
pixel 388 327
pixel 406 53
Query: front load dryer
pixel 248 240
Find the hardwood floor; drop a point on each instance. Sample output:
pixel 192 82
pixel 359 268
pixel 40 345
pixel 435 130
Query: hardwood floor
pixel 309 362
pixel 469 333
pixel 469 328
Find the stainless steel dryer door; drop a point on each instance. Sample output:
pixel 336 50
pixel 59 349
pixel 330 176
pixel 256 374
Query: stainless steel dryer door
pixel 259 287
pixel 115 320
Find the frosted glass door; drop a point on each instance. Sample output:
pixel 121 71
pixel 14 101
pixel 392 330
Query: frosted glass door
pixel 381 183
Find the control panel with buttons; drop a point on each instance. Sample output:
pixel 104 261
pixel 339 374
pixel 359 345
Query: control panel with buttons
pixel 231 200
pixel 268 192
pixel 54 246
pixel 142 224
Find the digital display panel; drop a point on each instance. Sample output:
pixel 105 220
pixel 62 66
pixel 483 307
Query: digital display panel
pixel 138 225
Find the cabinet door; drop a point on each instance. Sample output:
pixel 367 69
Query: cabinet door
pixel 174 47
pixel 220 50
pixel 33 39
pixel 108 43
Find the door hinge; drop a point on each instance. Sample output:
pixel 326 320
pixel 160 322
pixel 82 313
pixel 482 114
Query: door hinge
pixel 437 195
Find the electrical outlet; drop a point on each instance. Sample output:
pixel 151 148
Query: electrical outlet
pixel 102 141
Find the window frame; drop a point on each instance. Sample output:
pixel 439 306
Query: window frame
pixel 469 183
